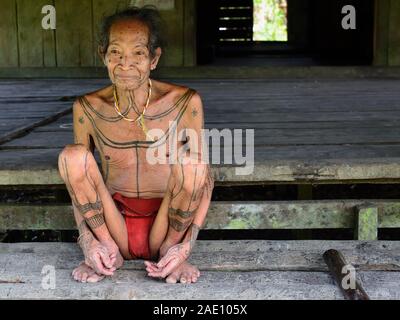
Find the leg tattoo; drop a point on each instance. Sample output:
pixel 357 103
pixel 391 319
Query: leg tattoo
pixel 97 219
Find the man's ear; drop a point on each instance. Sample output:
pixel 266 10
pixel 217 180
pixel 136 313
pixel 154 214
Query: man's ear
pixel 156 58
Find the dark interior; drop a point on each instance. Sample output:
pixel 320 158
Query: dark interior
pixel 315 35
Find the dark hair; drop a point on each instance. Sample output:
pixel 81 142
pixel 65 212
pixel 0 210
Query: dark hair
pixel 148 14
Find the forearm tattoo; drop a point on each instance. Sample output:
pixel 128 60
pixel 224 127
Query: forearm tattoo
pixel 193 236
pixel 95 221
pixel 178 225
pixel 85 236
pixel 85 208
pixel 184 214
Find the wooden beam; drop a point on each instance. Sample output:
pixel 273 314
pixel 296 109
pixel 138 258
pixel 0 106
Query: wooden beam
pixel 263 270
pixel 394 33
pixel 336 263
pixel 323 214
pixel 367 222
pixel 189 36
pixel 291 171
pixel 212 72
pixel 381 32
pixel 9 54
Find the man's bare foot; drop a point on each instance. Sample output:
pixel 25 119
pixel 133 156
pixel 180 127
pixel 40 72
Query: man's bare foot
pixel 84 273
pixel 185 273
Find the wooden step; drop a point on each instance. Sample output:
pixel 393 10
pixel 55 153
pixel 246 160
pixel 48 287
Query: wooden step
pixel 230 270
pixel 364 216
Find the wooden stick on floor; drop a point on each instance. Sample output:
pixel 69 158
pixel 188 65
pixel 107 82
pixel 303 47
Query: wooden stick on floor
pixel 336 261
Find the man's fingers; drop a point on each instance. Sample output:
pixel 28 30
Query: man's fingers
pixel 113 260
pixel 167 270
pixel 105 258
pixel 99 267
pixel 151 266
pixel 164 261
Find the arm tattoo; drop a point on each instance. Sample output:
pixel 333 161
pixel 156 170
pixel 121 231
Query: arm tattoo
pixel 180 213
pixel 95 221
pixel 85 236
pixel 194 233
pixel 85 208
pixel 178 225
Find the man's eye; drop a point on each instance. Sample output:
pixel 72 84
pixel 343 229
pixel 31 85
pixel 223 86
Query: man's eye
pixel 140 53
pixel 114 51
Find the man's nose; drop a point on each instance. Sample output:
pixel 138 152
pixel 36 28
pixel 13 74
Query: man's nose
pixel 128 60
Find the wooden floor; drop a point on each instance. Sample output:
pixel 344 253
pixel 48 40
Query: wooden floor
pixel 230 270
pixel 319 131
pixel 305 130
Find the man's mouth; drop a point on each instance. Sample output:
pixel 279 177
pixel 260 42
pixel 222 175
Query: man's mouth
pixel 127 77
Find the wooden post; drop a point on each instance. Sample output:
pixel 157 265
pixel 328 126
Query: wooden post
pixel 336 263
pixel 304 192
pixel 381 32
pixel 189 33
pixel 386 33
pixel 367 222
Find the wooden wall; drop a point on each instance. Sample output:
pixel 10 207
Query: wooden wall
pixel 23 42
pixel 387 33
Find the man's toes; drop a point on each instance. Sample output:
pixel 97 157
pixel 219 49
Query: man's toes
pixel 194 278
pixel 76 276
pixel 84 276
pixel 185 278
pixel 94 278
pixel 172 278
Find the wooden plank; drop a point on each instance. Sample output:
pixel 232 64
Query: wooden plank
pixel 173 54
pixel 8 34
pixel 381 32
pixel 367 222
pixel 36 45
pixel 134 285
pixel 160 4
pixel 262 269
pixel 394 34
pixel 42 169
pixel 32 122
pixel 189 33
pixel 304 214
pixel 228 255
pixel 74 33
pixel 49 45
pixel 262 137
pixel 214 72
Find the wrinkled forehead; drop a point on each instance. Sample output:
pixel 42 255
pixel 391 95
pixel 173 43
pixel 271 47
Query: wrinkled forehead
pixel 129 32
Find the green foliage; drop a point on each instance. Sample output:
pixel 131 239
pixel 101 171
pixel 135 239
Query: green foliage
pixel 270 20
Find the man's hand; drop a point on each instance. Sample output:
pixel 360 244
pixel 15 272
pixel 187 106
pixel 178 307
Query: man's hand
pixel 99 257
pixel 169 262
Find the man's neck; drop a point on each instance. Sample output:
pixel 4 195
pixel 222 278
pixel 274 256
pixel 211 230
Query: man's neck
pixel 138 97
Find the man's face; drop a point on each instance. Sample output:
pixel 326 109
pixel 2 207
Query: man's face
pixel 128 58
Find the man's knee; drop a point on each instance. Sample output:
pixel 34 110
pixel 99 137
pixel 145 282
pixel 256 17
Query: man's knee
pixel 72 161
pixel 190 178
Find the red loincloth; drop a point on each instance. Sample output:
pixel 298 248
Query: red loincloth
pixel 139 216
